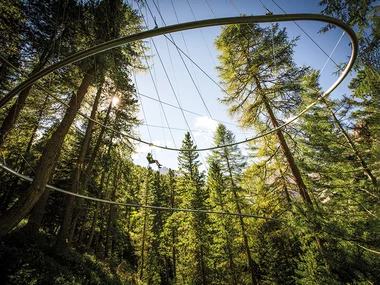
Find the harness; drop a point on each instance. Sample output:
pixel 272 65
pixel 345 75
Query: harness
pixel 150 158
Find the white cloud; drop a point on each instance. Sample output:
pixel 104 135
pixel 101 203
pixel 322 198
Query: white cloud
pixel 205 123
pixel 205 131
pixel 164 170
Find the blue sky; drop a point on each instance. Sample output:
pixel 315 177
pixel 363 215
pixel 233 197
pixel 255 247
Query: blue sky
pixel 198 45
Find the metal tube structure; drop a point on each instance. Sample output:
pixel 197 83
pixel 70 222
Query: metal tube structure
pixel 194 25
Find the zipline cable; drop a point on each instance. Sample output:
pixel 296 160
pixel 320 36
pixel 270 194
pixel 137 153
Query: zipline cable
pixel 173 70
pixel 236 8
pixel 180 129
pixel 43 88
pixel 27 178
pixel 212 11
pixel 137 93
pixel 265 7
pixel 142 106
pixel 167 75
pixel 185 110
pixel 158 95
pixel 197 65
pixel 310 37
pixel 203 37
pixel 331 54
pixel 189 73
pixel 170 83
pixel 159 99
pixel 184 63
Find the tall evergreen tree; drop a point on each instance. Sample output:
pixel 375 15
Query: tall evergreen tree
pixel 344 194
pixel 262 81
pixel 119 63
pixel 225 232
pixel 193 241
pixel 47 161
pixel 231 164
pixel 12 25
pixel 44 40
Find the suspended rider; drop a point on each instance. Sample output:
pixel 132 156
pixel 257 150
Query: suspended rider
pixel 150 159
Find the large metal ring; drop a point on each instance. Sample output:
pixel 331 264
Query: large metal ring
pixel 193 25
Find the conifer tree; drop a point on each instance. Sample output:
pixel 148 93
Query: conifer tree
pixel 262 81
pixel 145 223
pixel 225 233
pixel 193 241
pixel 12 24
pixel 41 37
pixel 119 62
pixel 231 164
pixel 169 233
pixel 344 194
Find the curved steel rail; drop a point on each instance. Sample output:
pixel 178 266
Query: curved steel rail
pixel 27 178
pixel 193 25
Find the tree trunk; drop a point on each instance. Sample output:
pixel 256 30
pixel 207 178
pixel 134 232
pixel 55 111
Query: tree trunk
pixel 93 226
pixel 13 114
pixel 34 133
pixel 86 177
pixel 16 108
pixel 228 240
pixel 22 207
pixel 144 230
pixel 100 234
pixel 204 280
pixel 285 149
pixel 96 212
pixel 108 244
pixel 38 211
pixel 352 145
pixel 63 239
pixel 36 215
pixel 87 173
pixel 251 264
pixel 8 196
pixel 73 225
pixel 111 216
pixel 173 234
pixel 229 249
pixel 230 258
pixel 285 187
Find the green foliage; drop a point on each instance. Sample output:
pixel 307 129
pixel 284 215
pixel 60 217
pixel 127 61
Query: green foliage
pixel 12 22
pixel 363 16
pixel 30 264
pixel 257 67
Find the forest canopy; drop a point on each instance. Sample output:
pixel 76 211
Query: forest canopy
pixel 297 206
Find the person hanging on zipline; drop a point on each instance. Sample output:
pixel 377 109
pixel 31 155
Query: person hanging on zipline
pixel 150 159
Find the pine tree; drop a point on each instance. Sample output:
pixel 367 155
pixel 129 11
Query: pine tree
pixel 41 37
pixel 231 164
pixel 343 194
pixel 193 242
pixel 261 80
pixel 12 24
pixel 225 251
pixel 47 161
pixel 118 62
